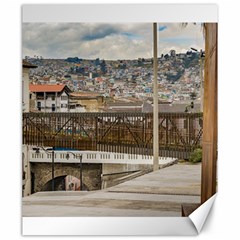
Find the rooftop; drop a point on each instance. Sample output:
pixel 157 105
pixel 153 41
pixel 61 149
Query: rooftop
pixel 173 107
pixel 46 88
pixel 85 95
pixel 27 64
pixel 125 104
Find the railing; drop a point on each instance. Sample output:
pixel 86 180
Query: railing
pixel 96 157
pixel 179 133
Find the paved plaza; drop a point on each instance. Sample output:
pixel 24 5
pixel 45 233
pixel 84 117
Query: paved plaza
pixel 158 193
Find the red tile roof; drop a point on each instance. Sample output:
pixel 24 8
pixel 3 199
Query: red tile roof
pixel 46 88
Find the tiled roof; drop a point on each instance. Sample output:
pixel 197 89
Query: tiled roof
pixel 84 94
pixel 124 110
pixel 125 104
pixel 46 88
pixel 175 107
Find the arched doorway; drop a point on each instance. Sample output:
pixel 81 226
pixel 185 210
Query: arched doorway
pixel 64 183
pixel 59 184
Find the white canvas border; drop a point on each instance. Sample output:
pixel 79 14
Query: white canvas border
pixel 120 13
pixel 114 13
pixel 109 226
pixel 119 226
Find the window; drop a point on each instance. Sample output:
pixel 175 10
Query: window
pixel 64 97
pixel 53 98
pixel 39 106
pixel 53 108
pixel 64 105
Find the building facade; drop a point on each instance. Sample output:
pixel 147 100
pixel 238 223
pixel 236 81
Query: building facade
pixel 89 101
pixel 25 85
pixel 50 98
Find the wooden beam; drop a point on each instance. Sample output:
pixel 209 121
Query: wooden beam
pixel 209 143
pixel 155 101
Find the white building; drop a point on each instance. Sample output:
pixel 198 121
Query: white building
pixel 50 98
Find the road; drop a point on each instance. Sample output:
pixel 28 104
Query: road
pixel 159 193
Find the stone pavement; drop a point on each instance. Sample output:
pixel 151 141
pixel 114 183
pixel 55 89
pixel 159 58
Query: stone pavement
pixel 159 194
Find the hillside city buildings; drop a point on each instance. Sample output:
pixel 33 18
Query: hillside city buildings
pixel 80 85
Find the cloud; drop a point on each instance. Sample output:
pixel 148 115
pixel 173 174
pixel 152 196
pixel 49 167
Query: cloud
pixel 98 33
pixel 106 40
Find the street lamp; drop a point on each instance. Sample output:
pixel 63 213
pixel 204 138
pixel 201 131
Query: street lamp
pixel 201 55
pixel 80 161
pixel 49 151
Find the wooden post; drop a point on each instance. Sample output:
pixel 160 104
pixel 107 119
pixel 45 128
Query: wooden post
pixel 45 103
pixel 155 101
pixel 209 143
pixel 56 108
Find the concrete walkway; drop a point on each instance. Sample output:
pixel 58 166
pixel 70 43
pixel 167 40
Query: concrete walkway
pixel 159 193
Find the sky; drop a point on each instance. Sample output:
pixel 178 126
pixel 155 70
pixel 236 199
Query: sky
pixel 109 41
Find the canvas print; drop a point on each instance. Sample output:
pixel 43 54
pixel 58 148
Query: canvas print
pixel 119 119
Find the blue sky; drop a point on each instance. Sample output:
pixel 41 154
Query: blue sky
pixel 131 35
pixel 162 28
pixel 107 40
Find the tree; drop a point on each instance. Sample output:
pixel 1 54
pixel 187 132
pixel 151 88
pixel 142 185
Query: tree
pixel 193 95
pixel 97 61
pixel 103 67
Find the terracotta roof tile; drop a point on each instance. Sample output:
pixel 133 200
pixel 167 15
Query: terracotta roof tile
pixel 46 88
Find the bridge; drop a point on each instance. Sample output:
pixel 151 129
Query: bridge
pixel 100 169
pixel 96 157
pixel 115 147
pixel 129 133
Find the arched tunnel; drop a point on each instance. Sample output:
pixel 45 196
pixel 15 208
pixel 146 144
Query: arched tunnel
pixel 64 183
pixel 59 184
pixel 41 177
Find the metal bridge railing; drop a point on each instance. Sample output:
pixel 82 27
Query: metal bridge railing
pixel 179 133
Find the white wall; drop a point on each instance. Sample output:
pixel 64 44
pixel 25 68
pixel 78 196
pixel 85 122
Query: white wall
pixel 25 89
pixel 64 102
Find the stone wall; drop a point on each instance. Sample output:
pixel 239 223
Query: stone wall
pixel 111 168
pixel 43 174
pixel 114 174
